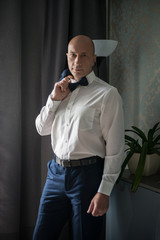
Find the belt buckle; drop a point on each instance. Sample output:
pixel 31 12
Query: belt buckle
pixel 69 163
pixel 66 163
pixel 61 163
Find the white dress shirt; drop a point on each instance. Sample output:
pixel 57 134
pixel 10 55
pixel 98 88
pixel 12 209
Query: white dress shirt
pixel 88 122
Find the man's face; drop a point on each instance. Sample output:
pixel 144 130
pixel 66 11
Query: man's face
pixel 81 58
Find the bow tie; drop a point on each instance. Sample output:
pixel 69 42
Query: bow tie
pixel 83 82
pixel 72 86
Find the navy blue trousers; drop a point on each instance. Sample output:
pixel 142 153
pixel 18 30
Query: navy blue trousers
pixel 68 192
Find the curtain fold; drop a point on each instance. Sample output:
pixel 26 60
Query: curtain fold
pixel 10 116
pixel 33 44
pixel 32 34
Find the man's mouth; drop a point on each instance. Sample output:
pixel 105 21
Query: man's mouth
pixel 78 69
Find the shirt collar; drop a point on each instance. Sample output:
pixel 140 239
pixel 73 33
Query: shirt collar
pixel 90 77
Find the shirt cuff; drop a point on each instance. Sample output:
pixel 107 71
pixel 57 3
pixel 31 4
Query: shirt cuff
pixel 105 187
pixel 52 105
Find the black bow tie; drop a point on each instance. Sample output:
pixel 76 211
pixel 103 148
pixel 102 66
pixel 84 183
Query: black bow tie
pixel 83 82
pixel 72 86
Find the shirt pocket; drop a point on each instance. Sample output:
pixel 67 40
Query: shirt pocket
pixel 87 116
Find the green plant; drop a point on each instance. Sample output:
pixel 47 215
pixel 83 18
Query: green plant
pixel 150 144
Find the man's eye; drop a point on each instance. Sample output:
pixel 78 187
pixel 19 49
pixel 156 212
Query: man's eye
pixel 72 55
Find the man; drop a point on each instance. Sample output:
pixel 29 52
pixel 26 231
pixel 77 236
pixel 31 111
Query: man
pixel 86 127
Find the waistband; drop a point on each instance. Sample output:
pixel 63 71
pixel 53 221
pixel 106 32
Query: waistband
pixel 78 162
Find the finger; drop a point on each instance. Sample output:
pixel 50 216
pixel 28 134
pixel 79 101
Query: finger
pixel 98 212
pixel 65 82
pixel 57 86
pixel 95 211
pixel 90 209
pixel 69 80
pixel 70 77
pixel 63 85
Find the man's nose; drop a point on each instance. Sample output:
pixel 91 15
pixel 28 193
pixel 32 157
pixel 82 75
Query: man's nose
pixel 77 59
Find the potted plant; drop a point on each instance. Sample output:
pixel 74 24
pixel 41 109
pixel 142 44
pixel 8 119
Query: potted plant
pixel 148 148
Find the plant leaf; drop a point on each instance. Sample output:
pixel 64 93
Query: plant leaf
pixel 150 135
pixel 156 140
pixel 155 127
pixel 155 151
pixel 138 132
pixel 140 168
pixel 129 155
pixel 132 143
pixel 130 139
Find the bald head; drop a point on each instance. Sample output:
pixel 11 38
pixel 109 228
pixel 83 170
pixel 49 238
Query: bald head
pixel 82 39
pixel 81 56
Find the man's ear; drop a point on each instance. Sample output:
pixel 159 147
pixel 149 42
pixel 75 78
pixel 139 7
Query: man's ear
pixel 94 59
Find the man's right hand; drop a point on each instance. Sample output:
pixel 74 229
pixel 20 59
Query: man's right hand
pixel 61 89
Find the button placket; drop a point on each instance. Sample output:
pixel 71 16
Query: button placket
pixel 67 120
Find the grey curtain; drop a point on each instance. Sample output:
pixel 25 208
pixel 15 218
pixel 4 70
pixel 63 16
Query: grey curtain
pixel 33 42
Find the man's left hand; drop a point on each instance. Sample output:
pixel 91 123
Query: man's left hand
pixel 99 205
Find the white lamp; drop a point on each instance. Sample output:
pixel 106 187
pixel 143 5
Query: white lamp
pixel 104 48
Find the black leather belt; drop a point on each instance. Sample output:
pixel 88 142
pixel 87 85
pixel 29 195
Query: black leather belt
pixel 77 162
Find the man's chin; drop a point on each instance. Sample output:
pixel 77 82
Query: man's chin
pixel 77 75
